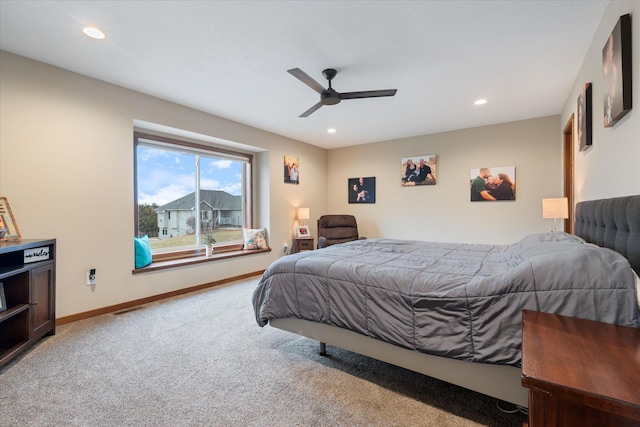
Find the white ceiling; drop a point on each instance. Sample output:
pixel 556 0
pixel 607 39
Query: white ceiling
pixel 230 58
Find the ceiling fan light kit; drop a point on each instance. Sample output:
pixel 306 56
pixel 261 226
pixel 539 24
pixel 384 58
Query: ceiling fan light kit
pixel 329 96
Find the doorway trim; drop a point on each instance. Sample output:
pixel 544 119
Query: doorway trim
pixel 568 170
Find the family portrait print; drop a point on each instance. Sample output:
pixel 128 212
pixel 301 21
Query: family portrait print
pixel 291 170
pixel 493 184
pixel 616 70
pixel 418 170
pixel 362 190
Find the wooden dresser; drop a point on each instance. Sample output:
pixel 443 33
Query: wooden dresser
pixel 580 372
pixel 27 295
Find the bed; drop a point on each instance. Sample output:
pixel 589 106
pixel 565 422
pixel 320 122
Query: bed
pixel 453 311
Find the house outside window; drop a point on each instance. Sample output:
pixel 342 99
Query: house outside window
pixel 186 190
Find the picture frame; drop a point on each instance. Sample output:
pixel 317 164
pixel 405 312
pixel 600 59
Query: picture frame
pixel 302 231
pixel 585 118
pixel 361 190
pixel 291 170
pixel 8 226
pixel 3 299
pixel 616 72
pixel 419 170
pixel 496 183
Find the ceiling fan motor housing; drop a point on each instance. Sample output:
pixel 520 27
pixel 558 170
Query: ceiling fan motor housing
pixel 329 97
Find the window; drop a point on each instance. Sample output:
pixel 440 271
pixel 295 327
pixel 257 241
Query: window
pixel 186 190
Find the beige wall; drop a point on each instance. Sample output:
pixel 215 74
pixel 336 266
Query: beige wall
pixel 611 167
pixel 443 212
pixel 66 167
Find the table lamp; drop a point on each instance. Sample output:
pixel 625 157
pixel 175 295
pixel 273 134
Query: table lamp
pixel 555 208
pixel 303 213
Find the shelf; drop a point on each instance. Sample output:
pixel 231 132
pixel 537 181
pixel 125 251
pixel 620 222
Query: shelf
pixel 11 270
pixel 17 309
pixel 8 351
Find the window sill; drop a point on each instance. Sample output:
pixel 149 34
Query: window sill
pixel 172 263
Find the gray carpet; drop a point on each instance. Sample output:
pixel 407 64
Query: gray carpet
pixel 201 360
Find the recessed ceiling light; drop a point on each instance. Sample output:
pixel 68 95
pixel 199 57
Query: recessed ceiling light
pixel 93 32
pixel 480 101
pixel 331 130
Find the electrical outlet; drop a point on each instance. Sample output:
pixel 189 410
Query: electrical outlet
pixel 91 277
pixel 285 248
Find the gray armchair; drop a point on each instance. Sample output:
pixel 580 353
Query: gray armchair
pixel 333 229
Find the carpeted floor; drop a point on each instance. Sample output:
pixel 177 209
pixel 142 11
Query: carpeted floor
pixel 201 360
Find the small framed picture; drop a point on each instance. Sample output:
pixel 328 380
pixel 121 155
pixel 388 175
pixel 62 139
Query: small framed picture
pixel 3 300
pixel 8 226
pixel 302 231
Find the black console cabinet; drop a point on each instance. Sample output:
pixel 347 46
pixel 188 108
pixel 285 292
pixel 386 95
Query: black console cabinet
pixel 28 282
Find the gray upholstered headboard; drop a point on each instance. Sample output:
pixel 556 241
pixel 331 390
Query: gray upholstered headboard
pixel 612 223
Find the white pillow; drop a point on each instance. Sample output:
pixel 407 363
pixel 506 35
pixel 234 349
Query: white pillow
pixel 255 238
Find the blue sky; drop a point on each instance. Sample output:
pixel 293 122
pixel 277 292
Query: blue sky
pixel 164 175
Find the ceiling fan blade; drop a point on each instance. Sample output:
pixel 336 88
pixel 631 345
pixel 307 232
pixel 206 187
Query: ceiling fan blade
pixel 304 78
pixel 311 110
pixel 368 94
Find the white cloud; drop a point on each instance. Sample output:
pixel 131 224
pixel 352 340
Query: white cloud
pixel 164 195
pixel 146 153
pixel 220 164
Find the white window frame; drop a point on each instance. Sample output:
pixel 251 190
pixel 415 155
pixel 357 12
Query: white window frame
pixel 205 149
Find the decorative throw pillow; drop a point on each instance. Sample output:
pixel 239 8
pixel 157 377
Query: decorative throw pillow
pixel 143 251
pixel 255 238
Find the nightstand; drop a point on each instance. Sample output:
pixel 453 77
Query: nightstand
pixel 580 372
pixel 303 244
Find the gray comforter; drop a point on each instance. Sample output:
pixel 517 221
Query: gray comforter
pixel 462 301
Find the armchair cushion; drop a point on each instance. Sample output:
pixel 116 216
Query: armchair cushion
pixel 333 229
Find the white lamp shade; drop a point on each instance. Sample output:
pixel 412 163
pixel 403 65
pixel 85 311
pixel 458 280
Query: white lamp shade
pixel 555 208
pixel 303 213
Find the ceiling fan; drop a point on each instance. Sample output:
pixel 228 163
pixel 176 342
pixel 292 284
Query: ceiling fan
pixel 330 96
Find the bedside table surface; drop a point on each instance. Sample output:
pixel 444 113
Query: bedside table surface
pixel 594 363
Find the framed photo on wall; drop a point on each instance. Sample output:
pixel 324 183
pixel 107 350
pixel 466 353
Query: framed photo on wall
pixel 418 170
pixel 585 118
pixel 493 184
pixel 8 226
pixel 291 170
pixel 616 70
pixel 362 190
